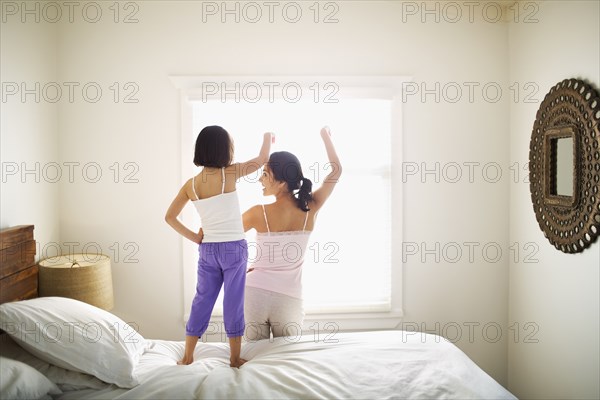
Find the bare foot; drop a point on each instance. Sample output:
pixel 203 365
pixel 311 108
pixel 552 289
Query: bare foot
pixel 185 361
pixel 237 363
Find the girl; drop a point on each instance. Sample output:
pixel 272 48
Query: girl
pixel 273 299
pixel 223 251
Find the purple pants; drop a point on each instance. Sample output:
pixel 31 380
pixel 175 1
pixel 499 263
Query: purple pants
pixel 218 264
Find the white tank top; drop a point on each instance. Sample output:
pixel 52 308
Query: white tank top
pixel 278 261
pixel 220 215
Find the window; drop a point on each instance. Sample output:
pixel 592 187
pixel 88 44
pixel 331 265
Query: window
pixel 348 264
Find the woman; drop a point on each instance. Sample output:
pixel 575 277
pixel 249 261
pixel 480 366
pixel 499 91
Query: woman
pixel 273 296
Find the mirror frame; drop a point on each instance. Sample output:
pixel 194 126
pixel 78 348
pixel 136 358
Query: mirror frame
pixel 570 109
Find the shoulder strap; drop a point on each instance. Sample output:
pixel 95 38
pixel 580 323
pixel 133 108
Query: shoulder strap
pixel 305 220
pixel 223 179
pixel 266 222
pixel 194 187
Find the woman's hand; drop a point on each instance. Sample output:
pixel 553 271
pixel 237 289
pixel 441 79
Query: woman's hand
pixel 322 194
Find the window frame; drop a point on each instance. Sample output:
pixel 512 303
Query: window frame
pixel 384 87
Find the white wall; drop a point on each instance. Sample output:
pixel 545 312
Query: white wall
pixel 29 126
pixel 560 292
pixel 369 39
pixel 468 291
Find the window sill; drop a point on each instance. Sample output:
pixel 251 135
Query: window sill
pixel 338 322
pixel 353 321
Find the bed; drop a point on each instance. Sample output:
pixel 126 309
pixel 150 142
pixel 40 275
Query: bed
pixel 66 349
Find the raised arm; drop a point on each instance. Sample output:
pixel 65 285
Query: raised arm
pixel 174 211
pixel 321 195
pixel 250 166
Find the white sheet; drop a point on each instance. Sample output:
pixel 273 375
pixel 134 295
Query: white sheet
pixel 373 365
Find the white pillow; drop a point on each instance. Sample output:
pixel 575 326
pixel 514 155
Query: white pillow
pixel 77 336
pixel 65 379
pixel 20 381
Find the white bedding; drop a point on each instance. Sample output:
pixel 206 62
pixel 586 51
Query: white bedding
pixel 368 365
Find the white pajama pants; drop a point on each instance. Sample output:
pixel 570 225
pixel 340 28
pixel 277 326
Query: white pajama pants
pixel 269 312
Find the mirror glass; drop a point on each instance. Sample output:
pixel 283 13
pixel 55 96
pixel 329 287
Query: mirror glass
pixel 562 168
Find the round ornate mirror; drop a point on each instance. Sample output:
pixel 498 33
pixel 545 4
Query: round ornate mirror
pixel 564 165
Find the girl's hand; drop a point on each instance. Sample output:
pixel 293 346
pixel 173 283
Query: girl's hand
pixel 272 135
pixel 200 236
pixel 325 132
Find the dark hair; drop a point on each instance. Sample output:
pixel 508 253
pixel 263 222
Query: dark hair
pixel 214 148
pixel 286 168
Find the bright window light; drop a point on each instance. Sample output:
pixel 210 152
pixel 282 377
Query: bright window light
pixel 347 265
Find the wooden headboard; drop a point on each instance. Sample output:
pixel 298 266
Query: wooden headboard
pixel 18 270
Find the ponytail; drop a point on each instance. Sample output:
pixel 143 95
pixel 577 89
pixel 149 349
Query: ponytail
pixel 304 194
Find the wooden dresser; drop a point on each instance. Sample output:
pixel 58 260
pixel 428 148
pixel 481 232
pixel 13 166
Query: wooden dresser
pixel 18 270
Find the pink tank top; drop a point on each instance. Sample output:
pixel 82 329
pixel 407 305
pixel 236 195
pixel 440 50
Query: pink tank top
pixel 277 260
